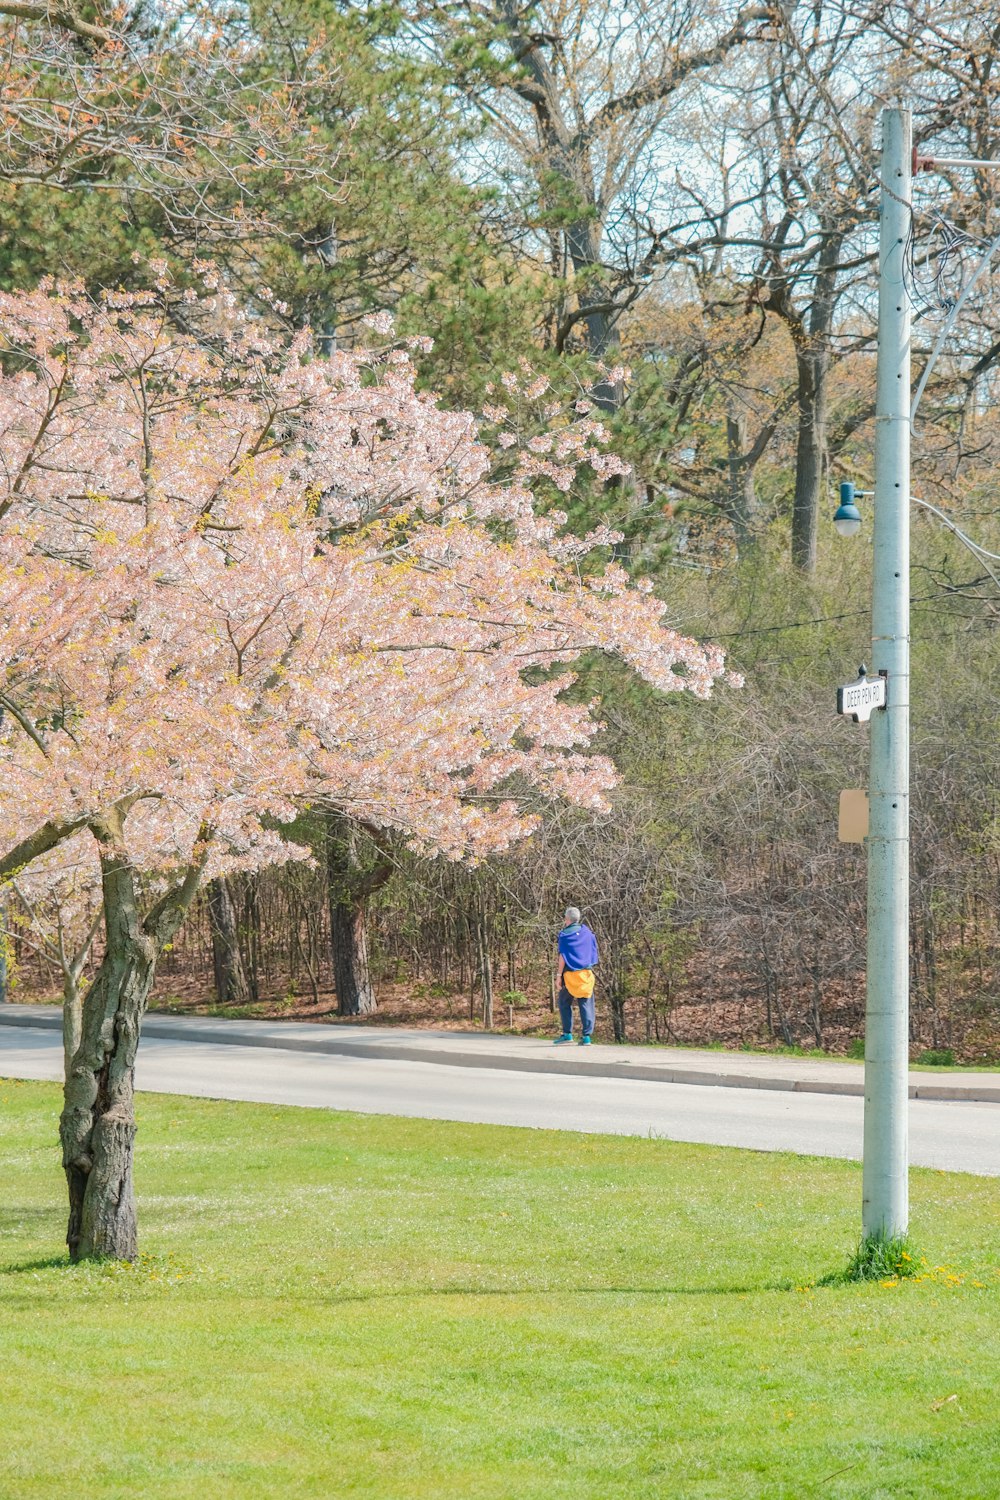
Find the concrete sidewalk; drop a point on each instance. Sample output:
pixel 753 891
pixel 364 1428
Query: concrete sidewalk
pixel 458 1049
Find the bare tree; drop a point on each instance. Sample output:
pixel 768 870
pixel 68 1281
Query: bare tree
pixel 576 99
pixel 786 189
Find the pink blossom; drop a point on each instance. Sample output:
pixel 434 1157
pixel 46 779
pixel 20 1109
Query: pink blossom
pixel 236 581
pixel 379 322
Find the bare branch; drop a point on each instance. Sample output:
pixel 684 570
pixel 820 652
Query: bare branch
pixel 654 90
pixel 56 15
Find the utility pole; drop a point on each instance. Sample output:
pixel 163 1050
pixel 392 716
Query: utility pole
pixel 885 1192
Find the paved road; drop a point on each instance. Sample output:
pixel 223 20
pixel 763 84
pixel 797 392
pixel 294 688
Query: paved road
pixel 952 1135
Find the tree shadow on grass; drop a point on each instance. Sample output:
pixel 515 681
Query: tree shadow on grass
pixel 411 1293
pixel 10 1218
pixel 45 1222
pixel 587 1292
pixel 43 1263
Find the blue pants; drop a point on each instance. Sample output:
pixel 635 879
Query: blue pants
pixel 566 1012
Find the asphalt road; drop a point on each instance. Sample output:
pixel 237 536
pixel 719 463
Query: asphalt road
pixel 951 1135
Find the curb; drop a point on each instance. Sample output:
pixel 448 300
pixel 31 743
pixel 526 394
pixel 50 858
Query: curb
pixel 222 1032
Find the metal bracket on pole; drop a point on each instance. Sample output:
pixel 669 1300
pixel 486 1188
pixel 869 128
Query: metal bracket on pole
pixel 921 163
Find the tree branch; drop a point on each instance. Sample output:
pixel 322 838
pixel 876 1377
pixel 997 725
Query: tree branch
pixel 669 82
pixel 163 920
pixel 47 837
pixel 56 15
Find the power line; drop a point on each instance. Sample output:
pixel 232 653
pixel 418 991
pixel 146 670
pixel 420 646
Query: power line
pixel 851 614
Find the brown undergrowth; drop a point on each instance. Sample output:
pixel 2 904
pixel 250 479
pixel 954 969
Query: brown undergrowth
pixel 715 1007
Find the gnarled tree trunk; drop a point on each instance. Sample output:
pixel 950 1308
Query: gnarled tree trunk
pixel 97 1128
pixel 72 1020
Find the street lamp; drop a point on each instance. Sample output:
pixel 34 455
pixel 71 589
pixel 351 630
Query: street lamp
pixel 847 517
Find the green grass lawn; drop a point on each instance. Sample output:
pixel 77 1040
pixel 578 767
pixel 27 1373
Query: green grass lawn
pixel 341 1305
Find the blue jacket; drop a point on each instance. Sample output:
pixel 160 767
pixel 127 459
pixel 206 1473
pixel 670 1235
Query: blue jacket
pixel 578 946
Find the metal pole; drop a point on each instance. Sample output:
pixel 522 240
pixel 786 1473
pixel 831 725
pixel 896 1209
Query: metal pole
pixel 886 1207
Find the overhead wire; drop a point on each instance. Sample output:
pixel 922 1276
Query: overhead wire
pixel 949 324
pixel 954 241
pixel 937 298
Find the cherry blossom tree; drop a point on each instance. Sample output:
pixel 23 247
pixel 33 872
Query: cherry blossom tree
pixel 239 581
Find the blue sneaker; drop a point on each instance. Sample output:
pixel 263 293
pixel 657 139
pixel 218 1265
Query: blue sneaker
pixel 567 1036
pixel 585 1041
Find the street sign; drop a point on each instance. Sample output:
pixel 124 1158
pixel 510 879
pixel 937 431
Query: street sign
pixel 857 699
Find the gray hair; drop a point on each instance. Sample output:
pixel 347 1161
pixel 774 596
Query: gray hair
pixel 572 914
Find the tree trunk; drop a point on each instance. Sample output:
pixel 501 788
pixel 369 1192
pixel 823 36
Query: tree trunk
pixel 813 365
pixel 72 1020
pixel 570 195
pixel 231 984
pixel 486 969
pixel 583 243
pixel 351 971
pixel 616 1005
pixel 98 1121
pixel 328 251
pixel 348 889
pixel 817 1005
pixel 248 888
pixel 97 1128
pixel 742 504
pixel 4 955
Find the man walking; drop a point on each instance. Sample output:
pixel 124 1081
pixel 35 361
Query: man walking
pixel 575 975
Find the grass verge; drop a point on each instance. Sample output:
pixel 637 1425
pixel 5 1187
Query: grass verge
pixel 355 1306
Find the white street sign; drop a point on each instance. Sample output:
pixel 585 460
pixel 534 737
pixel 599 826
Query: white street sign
pixel 857 699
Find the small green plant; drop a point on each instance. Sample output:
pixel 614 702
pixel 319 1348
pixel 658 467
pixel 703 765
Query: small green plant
pixel 937 1057
pixel 879 1257
pixel 514 997
pixel 857 1049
